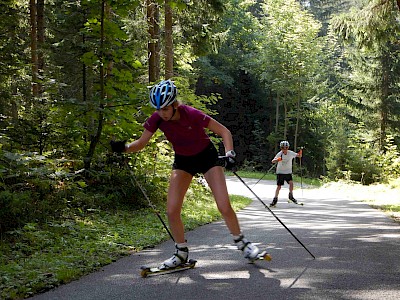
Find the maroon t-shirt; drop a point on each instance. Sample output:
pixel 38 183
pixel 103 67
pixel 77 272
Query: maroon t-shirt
pixel 187 135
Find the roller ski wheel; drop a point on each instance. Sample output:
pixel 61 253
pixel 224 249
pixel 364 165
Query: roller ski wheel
pixel 261 256
pixel 152 271
pixel 295 202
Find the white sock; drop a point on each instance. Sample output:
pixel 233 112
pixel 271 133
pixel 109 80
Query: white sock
pixel 182 245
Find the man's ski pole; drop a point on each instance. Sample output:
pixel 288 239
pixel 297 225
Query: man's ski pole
pixel 301 172
pixel 269 170
pixel 234 172
pixel 152 206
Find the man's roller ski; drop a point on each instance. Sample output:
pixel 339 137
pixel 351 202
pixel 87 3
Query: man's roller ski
pixel 293 200
pixel 274 202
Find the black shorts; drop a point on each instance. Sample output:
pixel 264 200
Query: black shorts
pixel 281 178
pixel 199 163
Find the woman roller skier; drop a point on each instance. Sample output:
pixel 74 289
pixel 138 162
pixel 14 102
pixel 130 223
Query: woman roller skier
pixel 184 127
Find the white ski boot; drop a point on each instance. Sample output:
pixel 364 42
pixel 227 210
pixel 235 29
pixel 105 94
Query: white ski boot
pixel 180 257
pixel 250 251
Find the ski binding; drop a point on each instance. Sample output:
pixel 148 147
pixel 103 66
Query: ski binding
pixel 297 203
pixel 152 271
pixel 261 256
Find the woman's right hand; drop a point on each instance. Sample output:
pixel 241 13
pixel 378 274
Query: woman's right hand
pixel 118 146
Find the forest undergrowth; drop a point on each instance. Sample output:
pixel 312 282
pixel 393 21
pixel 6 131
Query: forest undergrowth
pixel 39 257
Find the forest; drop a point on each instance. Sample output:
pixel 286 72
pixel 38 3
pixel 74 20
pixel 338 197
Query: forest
pixel 76 74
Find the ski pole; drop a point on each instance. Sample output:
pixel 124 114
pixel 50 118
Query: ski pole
pixel 152 206
pixel 301 172
pixel 269 170
pixel 259 199
pixel 266 206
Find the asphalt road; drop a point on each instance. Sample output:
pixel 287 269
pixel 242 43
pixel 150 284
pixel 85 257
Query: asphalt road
pixel 357 253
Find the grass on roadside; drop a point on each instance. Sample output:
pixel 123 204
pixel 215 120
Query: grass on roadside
pixel 36 258
pixel 271 176
pixel 385 197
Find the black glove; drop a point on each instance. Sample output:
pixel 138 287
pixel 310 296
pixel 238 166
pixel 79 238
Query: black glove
pixel 118 146
pixel 230 160
pixel 230 164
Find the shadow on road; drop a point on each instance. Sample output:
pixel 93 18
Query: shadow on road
pixel 357 253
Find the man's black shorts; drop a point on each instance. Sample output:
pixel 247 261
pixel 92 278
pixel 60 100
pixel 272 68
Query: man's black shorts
pixel 199 163
pixel 281 178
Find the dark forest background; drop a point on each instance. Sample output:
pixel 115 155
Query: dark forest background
pixel 75 75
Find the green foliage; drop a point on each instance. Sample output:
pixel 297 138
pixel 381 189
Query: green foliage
pixel 250 173
pixel 230 73
pixel 289 61
pixel 370 37
pixel 197 25
pixel 29 187
pixel 365 134
pixel 188 96
pixel 37 187
pixel 388 161
pixel 37 257
pixel 261 160
pixel 360 161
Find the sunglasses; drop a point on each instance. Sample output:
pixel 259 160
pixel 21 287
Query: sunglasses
pixel 284 147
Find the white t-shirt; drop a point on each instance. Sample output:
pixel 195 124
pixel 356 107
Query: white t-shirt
pixel 285 165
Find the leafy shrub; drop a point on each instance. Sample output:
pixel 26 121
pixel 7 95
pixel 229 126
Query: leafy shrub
pixel 364 163
pixel 36 188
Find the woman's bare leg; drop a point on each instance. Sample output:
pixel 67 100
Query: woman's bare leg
pixel 178 186
pixel 216 180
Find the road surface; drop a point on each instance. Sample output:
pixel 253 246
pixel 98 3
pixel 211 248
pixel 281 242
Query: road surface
pixel 357 251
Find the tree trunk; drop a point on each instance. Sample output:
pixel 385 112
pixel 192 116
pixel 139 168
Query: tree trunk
pixel 94 140
pixel 286 120
pixel 169 51
pixel 40 42
pixel 296 132
pixel 153 46
pixel 157 45
pixel 34 54
pixel 384 99
pixel 277 115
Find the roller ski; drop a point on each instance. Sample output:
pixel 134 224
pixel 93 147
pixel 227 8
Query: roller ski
pixel 178 262
pixel 152 271
pixel 293 200
pixel 251 251
pixel 264 255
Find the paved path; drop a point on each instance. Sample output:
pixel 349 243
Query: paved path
pixel 357 253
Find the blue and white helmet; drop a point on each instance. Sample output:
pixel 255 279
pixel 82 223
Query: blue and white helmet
pixel 163 94
pixel 284 144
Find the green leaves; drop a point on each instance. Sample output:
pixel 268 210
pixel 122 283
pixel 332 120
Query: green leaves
pixel 90 58
pixel 38 257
